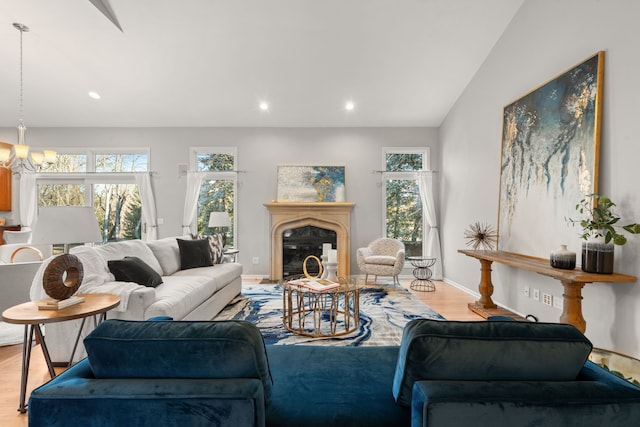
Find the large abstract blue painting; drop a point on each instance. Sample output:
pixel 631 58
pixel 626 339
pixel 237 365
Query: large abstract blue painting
pixel 549 159
pixel 311 183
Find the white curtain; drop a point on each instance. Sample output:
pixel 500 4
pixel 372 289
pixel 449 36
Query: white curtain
pixel 425 184
pixel 28 200
pixel 194 180
pixel 149 215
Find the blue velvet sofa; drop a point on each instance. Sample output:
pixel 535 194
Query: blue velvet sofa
pixel 182 373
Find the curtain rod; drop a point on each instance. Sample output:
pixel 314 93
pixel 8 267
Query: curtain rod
pixel 233 171
pixel 42 175
pixel 419 172
pixel 93 172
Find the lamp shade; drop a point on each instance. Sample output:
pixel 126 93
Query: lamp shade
pixel 5 154
pixel 219 219
pixel 21 151
pixel 66 224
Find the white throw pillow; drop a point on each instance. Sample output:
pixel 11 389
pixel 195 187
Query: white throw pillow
pixel 137 248
pixel 168 254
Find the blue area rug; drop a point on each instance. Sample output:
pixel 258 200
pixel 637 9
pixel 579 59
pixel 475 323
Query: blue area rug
pixel 384 311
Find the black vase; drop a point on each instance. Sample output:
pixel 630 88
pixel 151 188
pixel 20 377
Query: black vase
pixel 597 256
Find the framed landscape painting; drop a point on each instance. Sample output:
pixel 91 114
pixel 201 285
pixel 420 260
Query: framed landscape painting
pixel 302 183
pixel 550 159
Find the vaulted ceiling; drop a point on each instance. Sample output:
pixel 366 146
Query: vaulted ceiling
pixel 211 62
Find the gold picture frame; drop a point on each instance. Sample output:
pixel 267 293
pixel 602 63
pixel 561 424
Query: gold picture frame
pixel 550 159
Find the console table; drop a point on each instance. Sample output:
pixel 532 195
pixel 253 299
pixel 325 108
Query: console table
pixel 572 280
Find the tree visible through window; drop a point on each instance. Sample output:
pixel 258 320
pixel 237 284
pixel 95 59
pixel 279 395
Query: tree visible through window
pixel 118 207
pixel 95 179
pixel 218 189
pixel 403 207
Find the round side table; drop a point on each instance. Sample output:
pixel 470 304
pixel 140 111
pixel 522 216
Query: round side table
pixel 232 253
pixel 321 314
pixel 28 314
pixel 422 273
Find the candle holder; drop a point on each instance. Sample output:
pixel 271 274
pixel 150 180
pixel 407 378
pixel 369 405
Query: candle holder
pixel 325 259
pixel 331 270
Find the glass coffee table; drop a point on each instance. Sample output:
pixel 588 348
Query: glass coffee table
pixel 320 314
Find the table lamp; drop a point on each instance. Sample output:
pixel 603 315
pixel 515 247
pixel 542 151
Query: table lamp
pixel 65 225
pixel 63 275
pixel 220 220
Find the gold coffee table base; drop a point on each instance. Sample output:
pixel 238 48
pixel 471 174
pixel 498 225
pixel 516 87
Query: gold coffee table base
pixel 321 314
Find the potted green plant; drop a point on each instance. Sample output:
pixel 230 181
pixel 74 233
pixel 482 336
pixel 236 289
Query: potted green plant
pixel 601 231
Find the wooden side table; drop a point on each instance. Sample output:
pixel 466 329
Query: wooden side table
pixel 32 318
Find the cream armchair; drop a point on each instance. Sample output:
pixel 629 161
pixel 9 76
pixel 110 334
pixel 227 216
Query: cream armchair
pixel 383 257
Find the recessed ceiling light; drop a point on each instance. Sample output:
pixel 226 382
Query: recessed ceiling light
pixel 94 95
pixel 349 106
pixel 264 105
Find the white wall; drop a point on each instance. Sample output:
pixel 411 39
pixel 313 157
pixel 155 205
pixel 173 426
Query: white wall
pixel 545 38
pixel 260 151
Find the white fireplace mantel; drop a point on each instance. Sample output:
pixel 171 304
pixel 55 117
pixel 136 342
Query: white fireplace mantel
pixel 333 216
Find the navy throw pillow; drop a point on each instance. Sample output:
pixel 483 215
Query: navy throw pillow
pixel 133 269
pixel 194 253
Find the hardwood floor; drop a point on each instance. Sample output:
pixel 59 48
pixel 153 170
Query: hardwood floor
pixel 447 300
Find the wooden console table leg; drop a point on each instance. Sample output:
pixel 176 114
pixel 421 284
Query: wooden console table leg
pixel 572 305
pixel 484 305
pixel 486 286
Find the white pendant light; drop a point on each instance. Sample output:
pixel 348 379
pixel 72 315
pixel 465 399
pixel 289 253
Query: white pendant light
pixel 18 159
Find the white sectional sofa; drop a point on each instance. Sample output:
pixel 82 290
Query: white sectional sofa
pixel 192 294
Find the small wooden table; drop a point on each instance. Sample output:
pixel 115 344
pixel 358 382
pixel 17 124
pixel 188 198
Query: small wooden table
pixel 572 280
pixel 32 318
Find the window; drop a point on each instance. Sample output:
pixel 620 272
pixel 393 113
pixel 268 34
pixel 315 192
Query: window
pixel 219 185
pixel 100 178
pixel 402 204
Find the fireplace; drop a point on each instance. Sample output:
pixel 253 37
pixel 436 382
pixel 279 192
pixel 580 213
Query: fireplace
pixel 300 242
pixel 332 216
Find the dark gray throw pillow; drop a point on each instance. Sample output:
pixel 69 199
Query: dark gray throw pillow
pixel 194 253
pixel 217 242
pixel 133 269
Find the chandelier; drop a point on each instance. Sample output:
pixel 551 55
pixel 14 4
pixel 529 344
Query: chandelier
pixel 18 158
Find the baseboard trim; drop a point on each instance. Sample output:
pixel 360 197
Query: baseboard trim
pixel 500 310
pixel 253 277
pixel 461 287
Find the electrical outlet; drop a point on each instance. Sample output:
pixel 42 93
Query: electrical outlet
pixel 546 299
pixel 558 302
pixel 255 260
pixel 527 291
pixel 536 294
pixel 182 169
